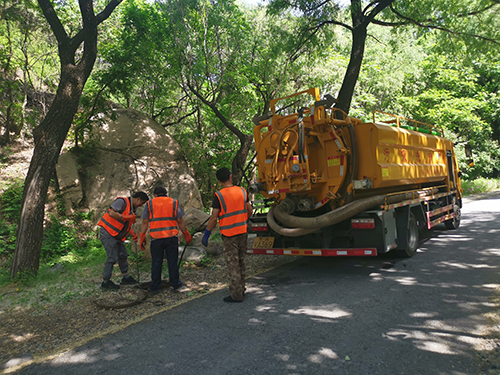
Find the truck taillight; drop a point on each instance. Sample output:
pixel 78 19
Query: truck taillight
pixel 259 227
pixel 363 223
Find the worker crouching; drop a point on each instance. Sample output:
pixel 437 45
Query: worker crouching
pixel 115 224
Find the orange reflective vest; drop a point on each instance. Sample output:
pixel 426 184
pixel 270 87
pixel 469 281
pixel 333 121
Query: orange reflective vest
pixel 233 212
pixel 113 226
pixel 163 217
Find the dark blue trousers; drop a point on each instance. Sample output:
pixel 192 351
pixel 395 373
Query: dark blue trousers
pixel 160 247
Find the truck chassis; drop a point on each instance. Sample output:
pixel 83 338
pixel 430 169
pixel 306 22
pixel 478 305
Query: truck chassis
pixel 392 227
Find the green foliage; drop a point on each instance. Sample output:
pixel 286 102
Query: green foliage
pixel 10 208
pixel 449 95
pixel 480 185
pixel 27 67
pixel 10 201
pixel 59 239
pixel 69 240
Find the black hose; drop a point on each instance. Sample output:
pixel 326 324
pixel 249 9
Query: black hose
pixel 300 226
pixel 197 230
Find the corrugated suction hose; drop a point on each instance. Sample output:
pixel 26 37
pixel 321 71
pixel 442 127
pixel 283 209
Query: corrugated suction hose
pixel 300 226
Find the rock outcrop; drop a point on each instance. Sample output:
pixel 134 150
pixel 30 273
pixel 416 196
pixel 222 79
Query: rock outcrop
pixel 133 153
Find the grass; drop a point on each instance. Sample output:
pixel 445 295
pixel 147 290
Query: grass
pixel 73 277
pixel 480 185
pixel 52 285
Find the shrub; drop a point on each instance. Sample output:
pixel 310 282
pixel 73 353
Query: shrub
pixel 10 208
pixel 58 240
pixel 480 185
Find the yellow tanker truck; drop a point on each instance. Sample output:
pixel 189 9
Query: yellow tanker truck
pixel 334 185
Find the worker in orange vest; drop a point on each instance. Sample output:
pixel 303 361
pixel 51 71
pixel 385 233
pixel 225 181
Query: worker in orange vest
pixel 231 206
pixel 163 215
pixel 115 224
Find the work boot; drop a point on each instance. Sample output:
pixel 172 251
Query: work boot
pixel 128 280
pixel 109 285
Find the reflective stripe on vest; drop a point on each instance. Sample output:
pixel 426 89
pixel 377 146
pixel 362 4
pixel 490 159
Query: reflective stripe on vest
pixel 233 213
pixel 113 226
pixel 163 217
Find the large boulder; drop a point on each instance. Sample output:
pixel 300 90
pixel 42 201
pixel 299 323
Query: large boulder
pixel 69 181
pixel 134 153
pixel 196 219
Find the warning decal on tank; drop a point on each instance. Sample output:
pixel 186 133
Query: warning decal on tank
pixel 385 172
pixel 333 161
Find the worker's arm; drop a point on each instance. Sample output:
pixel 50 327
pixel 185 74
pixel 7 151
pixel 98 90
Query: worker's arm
pixel 212 222
pixel 184 229
pixel 115 214
pixel 249 209
pixel 182 224
pixel 142 234
pixel 144 225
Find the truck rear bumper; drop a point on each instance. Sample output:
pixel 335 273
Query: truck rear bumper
pixel 316 252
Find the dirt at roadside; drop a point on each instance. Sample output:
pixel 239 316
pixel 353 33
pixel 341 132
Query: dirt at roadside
pixel 36 333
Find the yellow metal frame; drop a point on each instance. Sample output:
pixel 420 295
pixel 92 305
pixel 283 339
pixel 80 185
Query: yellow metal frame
pixel 398 119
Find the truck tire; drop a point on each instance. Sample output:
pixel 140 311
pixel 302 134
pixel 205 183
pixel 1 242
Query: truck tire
pixel 413 240
pixel 455 222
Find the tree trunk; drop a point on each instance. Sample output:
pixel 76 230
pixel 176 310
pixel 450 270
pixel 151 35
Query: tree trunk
pixel 346 92
pixel 240 158
pixel 50 135
pixel 49 138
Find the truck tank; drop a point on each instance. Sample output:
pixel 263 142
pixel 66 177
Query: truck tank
pixel 320 160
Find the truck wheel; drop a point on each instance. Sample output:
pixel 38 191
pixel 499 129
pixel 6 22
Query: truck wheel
pixel 455 222
pixel 412 238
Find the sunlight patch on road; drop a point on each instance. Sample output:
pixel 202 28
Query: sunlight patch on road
pixel 323 353
pixel 72 357
pixel 490 252
pixel 406 280
pixel 334 313
pixel 448 238
pixel 283 357
pixel 464 266
pixel 491 286
pixel 423 314
pixel 256 321
pixel 424 341
pixel 376 276
pixel 266 308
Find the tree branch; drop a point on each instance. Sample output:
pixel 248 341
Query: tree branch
pixel 228 124
pixel 179 120
pixel 435 27
pixel 54 22
pixel 376 10
pixel 101 17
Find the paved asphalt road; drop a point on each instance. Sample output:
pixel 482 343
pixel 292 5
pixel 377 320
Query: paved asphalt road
pixel 381 315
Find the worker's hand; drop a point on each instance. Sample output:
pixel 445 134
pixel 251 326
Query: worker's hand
pixel 133 234
pixel 142 244
pixel 204 240
pixel 187 237
pixel 129 218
